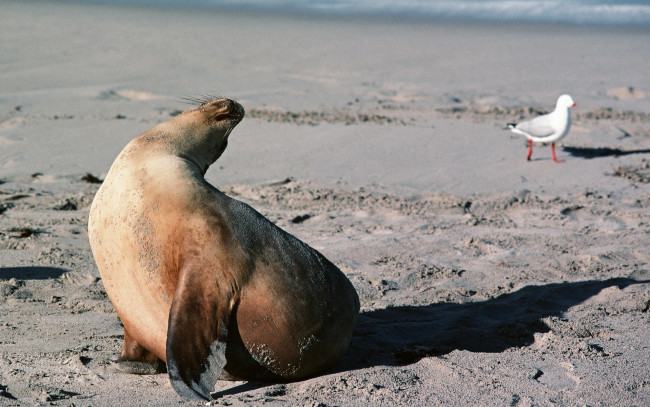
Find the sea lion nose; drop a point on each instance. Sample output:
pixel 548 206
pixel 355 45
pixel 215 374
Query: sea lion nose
pixel 230 106
pixel 234 108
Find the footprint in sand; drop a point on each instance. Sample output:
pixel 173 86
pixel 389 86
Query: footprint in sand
pixel 557 376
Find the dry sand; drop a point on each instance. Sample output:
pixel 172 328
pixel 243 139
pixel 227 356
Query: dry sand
pixel 484 279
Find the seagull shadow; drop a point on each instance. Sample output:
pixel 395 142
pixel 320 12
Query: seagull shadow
pixel 31 273
pixel 397 336
pixel 596 152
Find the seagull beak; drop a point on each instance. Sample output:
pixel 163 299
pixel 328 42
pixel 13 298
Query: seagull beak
pixel 574 105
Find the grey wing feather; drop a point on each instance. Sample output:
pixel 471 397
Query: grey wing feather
pixel 538 127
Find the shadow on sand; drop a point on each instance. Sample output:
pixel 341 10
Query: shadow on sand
pixel 398 336
pixel 31 273
pixel 596 152
pixel 404 335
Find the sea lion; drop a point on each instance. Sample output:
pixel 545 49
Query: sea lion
pixel 202 281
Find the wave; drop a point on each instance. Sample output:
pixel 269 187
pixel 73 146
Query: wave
pixel 597 12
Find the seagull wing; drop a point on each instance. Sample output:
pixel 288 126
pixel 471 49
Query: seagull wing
pixel 539 128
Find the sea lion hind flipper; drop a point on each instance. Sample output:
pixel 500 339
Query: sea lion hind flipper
pixel 196 339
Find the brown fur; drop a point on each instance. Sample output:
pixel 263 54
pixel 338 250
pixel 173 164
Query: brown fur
pixel 202 281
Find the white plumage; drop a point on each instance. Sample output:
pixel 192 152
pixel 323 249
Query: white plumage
pixel 547 128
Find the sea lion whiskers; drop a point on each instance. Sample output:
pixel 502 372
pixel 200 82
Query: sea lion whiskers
pixel 201 100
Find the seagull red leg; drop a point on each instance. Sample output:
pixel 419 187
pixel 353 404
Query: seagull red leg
pixel 530 149
pixel 553 152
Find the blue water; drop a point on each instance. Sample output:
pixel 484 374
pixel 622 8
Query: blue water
pixel 597 12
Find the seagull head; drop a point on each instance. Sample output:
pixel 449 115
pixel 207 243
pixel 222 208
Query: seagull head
pixel 565 102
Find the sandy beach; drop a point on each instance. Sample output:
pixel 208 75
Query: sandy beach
pixel 484 279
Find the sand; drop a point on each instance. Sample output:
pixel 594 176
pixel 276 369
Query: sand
pixel 484 279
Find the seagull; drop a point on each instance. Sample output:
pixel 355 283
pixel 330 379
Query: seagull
pixel 547 128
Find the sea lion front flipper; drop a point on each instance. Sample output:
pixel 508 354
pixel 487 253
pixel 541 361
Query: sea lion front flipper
pixel 135 359
pixel 197 335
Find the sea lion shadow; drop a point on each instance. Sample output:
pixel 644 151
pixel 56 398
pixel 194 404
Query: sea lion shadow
pixel 31 273
pixel 596 152
pixel 239 388
pixel 398 336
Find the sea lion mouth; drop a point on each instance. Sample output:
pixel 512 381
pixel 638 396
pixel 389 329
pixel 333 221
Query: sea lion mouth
pixel 239 111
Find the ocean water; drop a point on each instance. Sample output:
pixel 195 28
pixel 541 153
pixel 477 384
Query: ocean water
pixel 593 12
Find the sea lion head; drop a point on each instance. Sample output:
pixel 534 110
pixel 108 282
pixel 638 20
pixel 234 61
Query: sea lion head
pixel 201 135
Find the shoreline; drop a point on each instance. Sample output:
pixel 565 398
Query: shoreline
pixel 289 10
